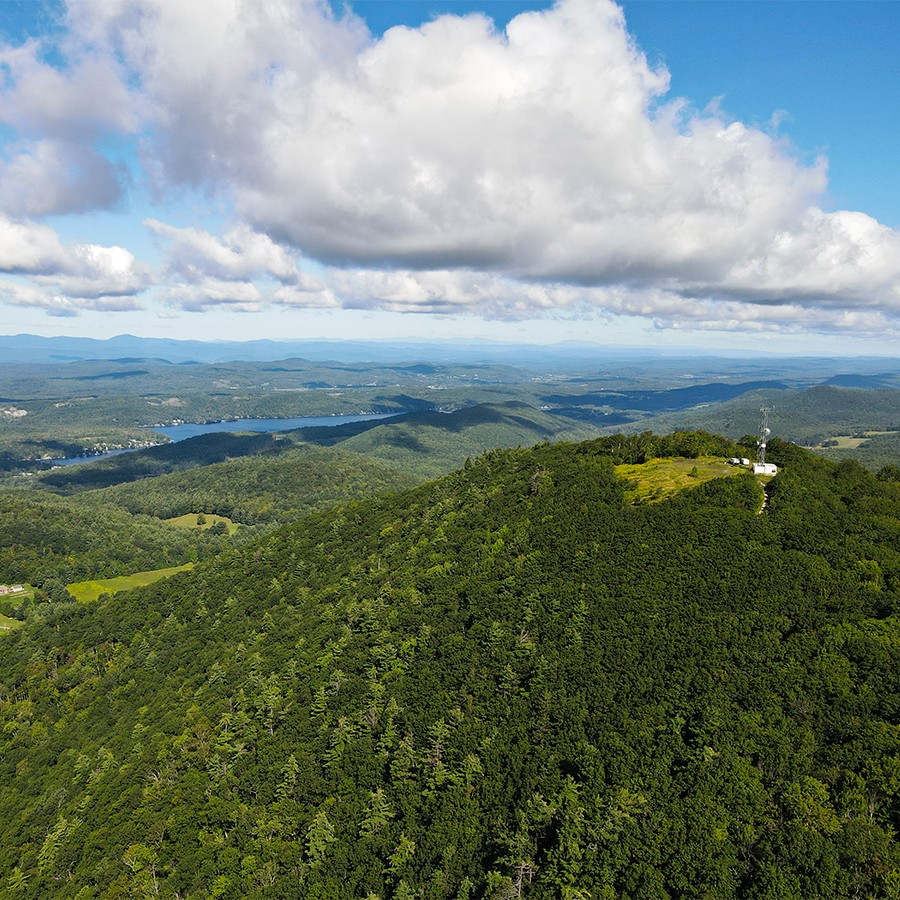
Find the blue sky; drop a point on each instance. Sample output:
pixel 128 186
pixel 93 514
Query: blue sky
pixel 678 174
pixel 829 66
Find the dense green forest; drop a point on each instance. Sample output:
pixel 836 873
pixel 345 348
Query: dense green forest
pixel 271 487
pixel 431 443
pixel 875 452
pixel 509 682
pixel 49 543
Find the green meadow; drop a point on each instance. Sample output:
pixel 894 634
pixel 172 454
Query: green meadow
pixel 7 624
pixel 657 479
pixel 203 522
pixel 85 591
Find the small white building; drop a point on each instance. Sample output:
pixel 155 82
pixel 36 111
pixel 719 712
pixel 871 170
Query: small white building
pixel 765 469
pixel 745 461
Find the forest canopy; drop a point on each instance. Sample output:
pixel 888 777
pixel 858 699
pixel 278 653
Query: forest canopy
pixel 508 682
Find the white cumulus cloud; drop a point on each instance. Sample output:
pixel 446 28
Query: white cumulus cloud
pixel 28 247
pixel 449 168
pixel 53 177
pixel 85 98
pixel 208 293
pixel 63 278
pixel 241 252
pixel 204 271
pixel 58 113
pixel 89 270
pixel 448 291
pixel 60 304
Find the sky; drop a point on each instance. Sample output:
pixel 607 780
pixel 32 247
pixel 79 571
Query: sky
pixel 670 174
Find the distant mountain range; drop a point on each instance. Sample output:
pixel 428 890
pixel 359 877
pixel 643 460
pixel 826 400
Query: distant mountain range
pixel 130 348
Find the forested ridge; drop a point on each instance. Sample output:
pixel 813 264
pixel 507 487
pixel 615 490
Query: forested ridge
pixel 258 489
pixel 48 542
pixel 505 683
pixel 178 456
pixel 432 443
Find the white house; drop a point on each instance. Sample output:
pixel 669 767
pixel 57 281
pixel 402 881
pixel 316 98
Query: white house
pixel 765 469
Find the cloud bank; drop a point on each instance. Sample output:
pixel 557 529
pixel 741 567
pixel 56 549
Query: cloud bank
pixel 448 168
pixel 64 279
pixel 204 271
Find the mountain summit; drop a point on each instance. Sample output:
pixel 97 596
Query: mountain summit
pixel 509 682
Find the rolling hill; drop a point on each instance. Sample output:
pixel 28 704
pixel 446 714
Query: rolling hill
pixel 256 489
pixel 806 416
pixel 49 542
pixel 506 682
pixel 431 443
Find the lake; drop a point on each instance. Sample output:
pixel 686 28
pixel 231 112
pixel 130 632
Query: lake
pixel 193 429
pixel 187 430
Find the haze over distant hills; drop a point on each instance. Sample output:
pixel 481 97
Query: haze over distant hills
pixel 61 349
pixel 35 348
pixel 63 397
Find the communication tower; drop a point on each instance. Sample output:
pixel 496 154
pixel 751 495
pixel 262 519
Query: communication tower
pixel 764 432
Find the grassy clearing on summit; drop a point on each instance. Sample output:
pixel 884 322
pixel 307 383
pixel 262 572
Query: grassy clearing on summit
pixel 657 479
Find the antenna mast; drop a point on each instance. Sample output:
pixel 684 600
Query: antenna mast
pixel 764 432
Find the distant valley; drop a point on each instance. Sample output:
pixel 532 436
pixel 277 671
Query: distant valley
pixel 58 408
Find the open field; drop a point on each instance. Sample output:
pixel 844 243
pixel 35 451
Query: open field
pixel 7 624
pixel 660 478
pixel 85 591
pixel 843 442
pixel 193 520
pixel 877 450
pixel 848 442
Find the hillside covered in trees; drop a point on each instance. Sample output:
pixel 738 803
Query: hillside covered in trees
pixel 48 542
pixel 418 445
pixel 509 682
pixel 272 487
pixel 432 443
